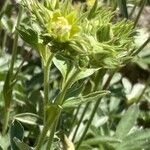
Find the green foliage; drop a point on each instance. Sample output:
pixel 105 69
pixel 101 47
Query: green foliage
pixel 127 122
pixel 123 137
pixel 65 77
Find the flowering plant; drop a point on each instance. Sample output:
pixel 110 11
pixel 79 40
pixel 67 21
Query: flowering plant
pixel 79 42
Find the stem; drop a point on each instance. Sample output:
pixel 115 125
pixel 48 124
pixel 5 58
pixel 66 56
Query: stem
pixel 93 112
pixel 68 83
pixel 46 89
pixel 142 93
pixel 141 47
pixel 143 2
pixel 4 42
pixel 6 120
pixel 46 70
pixel 13 59
pixel 132 11
pixel 42 136
pixel 59 101
pixel 80 120
pixel 53 129
pixel 14 51
pixel 74 117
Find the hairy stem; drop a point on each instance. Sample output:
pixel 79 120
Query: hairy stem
pixel 59 101
pixel 53 129
pixel 45 129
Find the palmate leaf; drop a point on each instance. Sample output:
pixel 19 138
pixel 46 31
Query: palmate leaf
pixel 76 101
pixel 135 141
pixel 127 122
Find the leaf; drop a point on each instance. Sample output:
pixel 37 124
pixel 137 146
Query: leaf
pixel 132 145
pixel 16 130
pixel 123 8
pixel 85 73
pixel 127 121
pixel 28 118
pixel 93 10
pixel 52 112
pixel 138 135
pixel 1 148
pixel 101 139
pixel 63 65
pixel 74 90
pixel 85 147
pixel 7 90
pixel 28 35
pixel 76 101
pixel 21 145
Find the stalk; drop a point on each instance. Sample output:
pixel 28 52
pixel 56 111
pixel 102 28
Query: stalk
pixel 59 101
pixel 74 117
pixel 93 112
pixel 46 127
pixel 7 88
pixel 134 53
pixel 132 11
pixel 47 123
pixel 46 70
pixel 3 43
pixel 80 120
pixel 50 140
pixel 143 2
